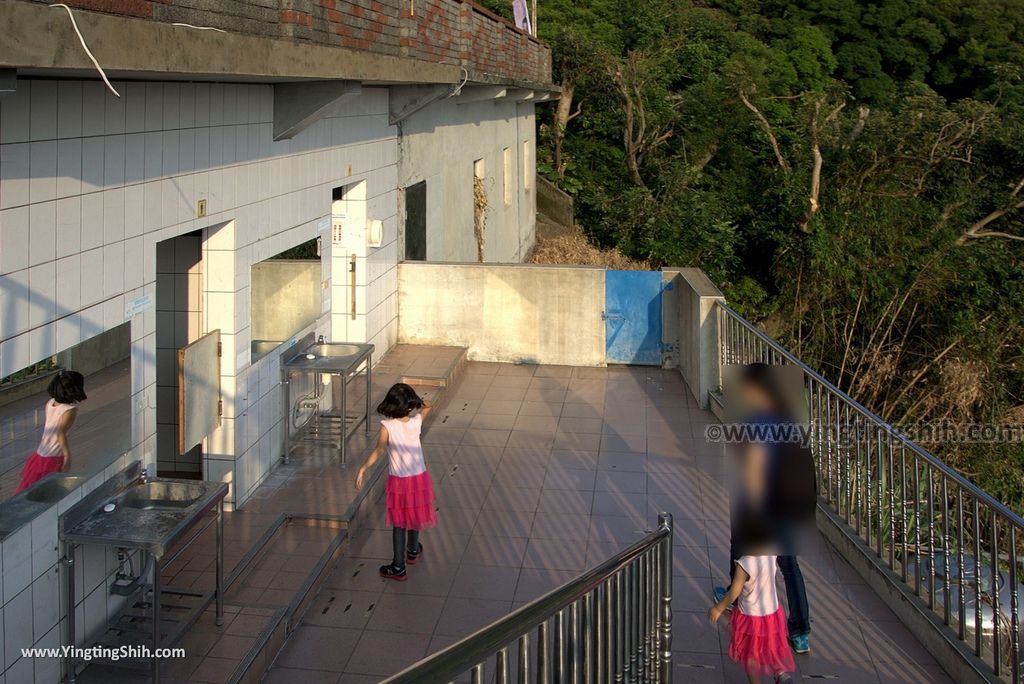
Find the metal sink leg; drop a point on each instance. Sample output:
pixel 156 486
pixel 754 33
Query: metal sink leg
pixel 220 562
pixel 155 664
pixel 369 365
pixel 69 579
pixel 286 413
pixel 344 419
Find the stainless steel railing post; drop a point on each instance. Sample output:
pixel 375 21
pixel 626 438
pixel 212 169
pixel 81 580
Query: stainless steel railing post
pixel 524 659
pixel 1014 607
pixel 620 651
pixel 589 632
pixel 501 667
pixel 543 654
pixel 631 623
pixel 665 639
pixel 560 648
pixel 601 633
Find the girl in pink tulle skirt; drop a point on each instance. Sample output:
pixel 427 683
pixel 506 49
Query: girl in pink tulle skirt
pixel 53 455
pixel 759 633
pixel 409 493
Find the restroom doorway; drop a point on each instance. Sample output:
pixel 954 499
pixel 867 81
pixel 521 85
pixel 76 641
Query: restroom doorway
pixel 416 222
pixel 179 322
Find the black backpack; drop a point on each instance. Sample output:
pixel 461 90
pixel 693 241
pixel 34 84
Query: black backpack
pixel 792 484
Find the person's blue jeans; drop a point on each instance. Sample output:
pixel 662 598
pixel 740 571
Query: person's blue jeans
pixel 798 616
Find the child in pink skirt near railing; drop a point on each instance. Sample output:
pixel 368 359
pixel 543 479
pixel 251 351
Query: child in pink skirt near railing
pixel 409 492
pixel 759 633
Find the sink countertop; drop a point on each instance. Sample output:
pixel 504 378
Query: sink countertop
pixel 346 358
pixel 21 509
pixel 153 530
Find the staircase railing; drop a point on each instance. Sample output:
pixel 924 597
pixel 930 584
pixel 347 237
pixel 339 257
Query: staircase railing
pixel 610 624
pixel 948 541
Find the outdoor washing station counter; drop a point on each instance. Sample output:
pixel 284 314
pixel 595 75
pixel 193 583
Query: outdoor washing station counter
pixel 323 359
pixel 132 511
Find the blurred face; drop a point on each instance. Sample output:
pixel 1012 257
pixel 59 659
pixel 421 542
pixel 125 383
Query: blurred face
pixel 756 398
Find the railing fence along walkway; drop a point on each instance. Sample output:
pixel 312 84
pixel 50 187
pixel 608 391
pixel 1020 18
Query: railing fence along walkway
pixel 952 544
pixel 611 624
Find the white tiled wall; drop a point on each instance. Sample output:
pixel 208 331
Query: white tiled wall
pixel 89 183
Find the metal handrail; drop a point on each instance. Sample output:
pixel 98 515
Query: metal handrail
pixel 950 542
pixel 867 413
pixel 619 627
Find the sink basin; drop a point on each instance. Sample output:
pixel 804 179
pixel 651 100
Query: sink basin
pixel 160 496
pixel 329 357
pixel 339 349
pixel 53 489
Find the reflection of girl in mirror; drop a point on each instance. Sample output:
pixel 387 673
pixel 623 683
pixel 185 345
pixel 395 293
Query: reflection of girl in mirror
pixel 67 390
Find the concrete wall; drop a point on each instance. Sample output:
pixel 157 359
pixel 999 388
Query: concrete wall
pixel 97 353
pixel 507 313
pixel 691 329
pixel 409 35
pixel 285 297
pixel 554 204
pixel 89 356
pixel 439 145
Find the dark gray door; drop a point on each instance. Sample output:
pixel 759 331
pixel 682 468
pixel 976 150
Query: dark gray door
pixel 416 222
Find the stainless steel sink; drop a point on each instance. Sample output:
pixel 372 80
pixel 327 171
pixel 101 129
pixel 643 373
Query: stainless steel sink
pixel 152 515
pixel 339 349
pixel 147 496
pixel 53 489
pixel 340 359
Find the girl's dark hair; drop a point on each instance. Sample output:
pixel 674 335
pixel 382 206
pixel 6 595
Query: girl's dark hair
pixel 401 400
pixel 766 378
pixel 67 387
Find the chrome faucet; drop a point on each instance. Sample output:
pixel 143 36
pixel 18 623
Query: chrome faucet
pixel 144 476
pixel 320 340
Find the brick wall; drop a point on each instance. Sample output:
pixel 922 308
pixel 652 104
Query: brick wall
pixel 451 31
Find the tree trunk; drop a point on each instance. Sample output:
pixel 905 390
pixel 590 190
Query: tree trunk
pixel 631 146
pixel 562 116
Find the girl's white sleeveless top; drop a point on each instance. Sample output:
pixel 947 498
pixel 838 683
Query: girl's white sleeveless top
pixel 49 445
pixel 405 454
pixel 759 596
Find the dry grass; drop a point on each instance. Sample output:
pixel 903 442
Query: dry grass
pixel 573 249
pixel 479 215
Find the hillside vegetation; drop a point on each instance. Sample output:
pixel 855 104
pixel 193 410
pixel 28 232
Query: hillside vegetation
pixel 850 173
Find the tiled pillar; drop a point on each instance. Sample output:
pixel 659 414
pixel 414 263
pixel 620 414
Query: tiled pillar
pixel 223 300
pixel 348 240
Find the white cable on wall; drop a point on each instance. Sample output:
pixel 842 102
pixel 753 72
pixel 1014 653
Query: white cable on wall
pixel 198 28
pixel 74 24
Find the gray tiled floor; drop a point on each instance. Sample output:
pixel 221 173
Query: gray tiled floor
pixel 541 472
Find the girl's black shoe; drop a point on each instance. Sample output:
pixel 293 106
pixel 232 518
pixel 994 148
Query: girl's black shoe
pixel 392 571
pixel 413 557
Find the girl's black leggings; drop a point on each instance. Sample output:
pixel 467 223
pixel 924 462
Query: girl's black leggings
pixel 404 540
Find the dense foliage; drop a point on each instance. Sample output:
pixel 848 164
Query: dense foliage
pixel 850 173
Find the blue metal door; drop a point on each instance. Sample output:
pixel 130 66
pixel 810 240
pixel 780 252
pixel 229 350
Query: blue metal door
pixel 632 315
